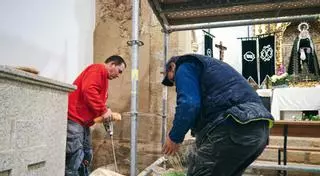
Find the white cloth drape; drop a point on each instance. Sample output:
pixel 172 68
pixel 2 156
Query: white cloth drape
pixel 294 99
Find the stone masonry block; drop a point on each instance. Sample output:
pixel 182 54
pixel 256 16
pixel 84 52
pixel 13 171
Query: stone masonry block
pixel 5 173
pixel 5 134
pixel 149 128
pixel 6 160
pixel 269 155
pixel 296 156
pixel 29 133
pixel 31 159
pixel 316 142
pixel 314 158
pixel 294 141
pixel 32 155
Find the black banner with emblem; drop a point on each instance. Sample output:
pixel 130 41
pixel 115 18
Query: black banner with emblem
pixel 249 61
pixel 208 45
pixel 266 57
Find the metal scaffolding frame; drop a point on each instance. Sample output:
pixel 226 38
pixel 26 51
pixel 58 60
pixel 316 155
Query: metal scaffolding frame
pixel 243 22
pixel 167 10
pixel 181 12
pixel 134 85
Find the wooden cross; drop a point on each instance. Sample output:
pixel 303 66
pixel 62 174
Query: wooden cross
pixel 221 50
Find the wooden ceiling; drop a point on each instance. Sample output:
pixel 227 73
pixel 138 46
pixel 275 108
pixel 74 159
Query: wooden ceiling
pixel 182 12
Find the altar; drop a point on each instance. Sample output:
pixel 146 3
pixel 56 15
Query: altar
pixel 292 99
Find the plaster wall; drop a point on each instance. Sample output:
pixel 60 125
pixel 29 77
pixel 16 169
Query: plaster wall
pixel 53 36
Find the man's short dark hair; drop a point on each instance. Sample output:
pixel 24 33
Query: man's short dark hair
pixel 118 60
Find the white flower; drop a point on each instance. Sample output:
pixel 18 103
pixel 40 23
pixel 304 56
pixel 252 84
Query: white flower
pixel 284 75
pixel 274 78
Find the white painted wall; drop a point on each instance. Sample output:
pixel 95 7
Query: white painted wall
pixel 53 36
pixel 228 36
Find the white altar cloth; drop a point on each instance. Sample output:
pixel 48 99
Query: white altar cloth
pixel 294 99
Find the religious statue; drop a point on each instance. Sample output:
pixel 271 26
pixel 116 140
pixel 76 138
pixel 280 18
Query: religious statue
pixel 303 61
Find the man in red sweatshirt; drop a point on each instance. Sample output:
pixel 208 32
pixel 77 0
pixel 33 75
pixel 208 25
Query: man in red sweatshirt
pixel 85 104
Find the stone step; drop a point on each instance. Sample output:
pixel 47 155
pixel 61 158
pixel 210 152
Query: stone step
pixel 295 141
pixel 297 156
pixel 263 172
pixel 292 156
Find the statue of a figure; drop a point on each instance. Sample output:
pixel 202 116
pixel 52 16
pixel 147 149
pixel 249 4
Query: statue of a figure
pixel 303 59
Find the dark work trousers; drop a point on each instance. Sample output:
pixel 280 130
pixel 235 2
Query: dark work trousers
pixel 228 149
pixel 78 150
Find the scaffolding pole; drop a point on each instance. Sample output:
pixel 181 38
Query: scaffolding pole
pixel 135 43
pixel 165 89
pixel 242 22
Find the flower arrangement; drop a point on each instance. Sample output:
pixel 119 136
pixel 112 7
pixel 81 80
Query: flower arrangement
pixel 282 79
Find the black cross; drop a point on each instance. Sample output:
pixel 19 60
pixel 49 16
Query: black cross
pixel 221 50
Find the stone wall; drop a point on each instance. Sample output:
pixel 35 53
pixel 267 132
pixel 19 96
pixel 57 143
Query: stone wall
pixel 33 122
pixel 113 30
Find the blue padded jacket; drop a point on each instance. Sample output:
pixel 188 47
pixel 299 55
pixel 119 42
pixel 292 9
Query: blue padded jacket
pixel 208 92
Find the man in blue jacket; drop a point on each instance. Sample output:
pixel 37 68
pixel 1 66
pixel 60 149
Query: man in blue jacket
pixel 225 114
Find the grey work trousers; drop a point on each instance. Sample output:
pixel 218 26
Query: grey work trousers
pixel 228 149
pixel 78 150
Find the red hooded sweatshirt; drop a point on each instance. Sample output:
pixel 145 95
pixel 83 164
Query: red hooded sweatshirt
pixel 88 101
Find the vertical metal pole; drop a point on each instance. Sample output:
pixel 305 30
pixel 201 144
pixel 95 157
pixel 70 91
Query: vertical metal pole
pixel 165 90
pixel 285 135
pixel 134 86
pixel 274 53
pixel 279 161
pixel 258 62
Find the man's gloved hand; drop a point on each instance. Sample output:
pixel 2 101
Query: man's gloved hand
pixel 114 116
pixel 170 147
